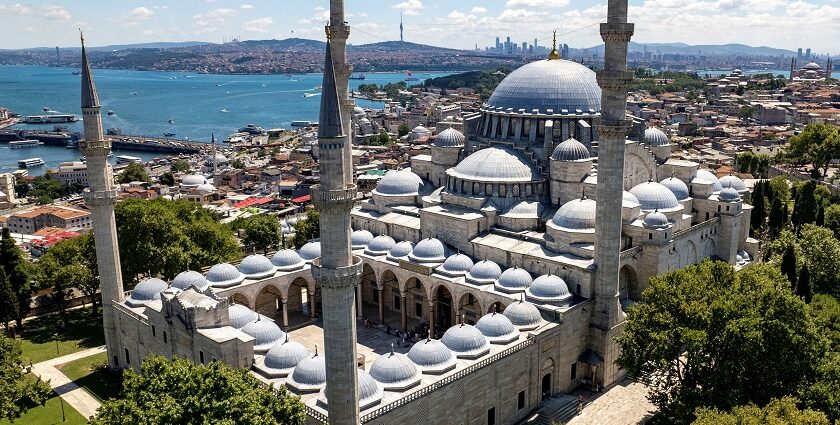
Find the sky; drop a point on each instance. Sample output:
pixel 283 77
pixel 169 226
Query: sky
pixel 459 24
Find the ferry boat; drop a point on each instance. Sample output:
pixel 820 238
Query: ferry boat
pixel 49 119
pixel 126 159
pixel 19 144
pixel 110 112
pixel 301 123
pixel 311 94
pixel 358 77
pixel 31 162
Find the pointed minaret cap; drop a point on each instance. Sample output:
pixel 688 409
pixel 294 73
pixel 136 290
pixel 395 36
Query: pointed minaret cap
pixel 330 125
pixel 89 97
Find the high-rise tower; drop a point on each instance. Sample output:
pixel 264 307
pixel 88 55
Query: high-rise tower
pixel 612 127
pixel 401 28
pixel 101 197
pixel 337 272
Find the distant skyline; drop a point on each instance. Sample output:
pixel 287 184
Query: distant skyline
pixel 785 24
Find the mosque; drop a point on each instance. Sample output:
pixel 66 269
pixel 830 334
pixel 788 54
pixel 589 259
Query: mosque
pixel 810 72
pixel 511 254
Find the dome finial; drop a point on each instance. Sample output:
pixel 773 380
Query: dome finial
pixel 554 54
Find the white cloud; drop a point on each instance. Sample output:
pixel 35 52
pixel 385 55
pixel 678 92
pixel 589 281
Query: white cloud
pixel 247 7
pixel 537 3
pixel 16 9
pixel 135 16
pixel 208 21
pixel 259 25
pixel 409 7
pixel 479 10
pixel 55 12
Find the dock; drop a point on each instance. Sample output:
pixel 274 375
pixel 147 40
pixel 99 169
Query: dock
pixel 122 142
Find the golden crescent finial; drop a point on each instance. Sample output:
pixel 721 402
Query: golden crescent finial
pixel 328 30
pixel 82 36
pixel 554 54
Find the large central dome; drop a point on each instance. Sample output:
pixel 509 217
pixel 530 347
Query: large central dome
pixel 495 164
pixel 548 84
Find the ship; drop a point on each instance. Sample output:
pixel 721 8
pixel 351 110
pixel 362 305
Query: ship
pixel 311 94
pixel 358 77
pixel 301 123
pixel 110 112
pixel 20 144
pixel 31 162
pixel 168 134
pixel 49 119
pixel 126 159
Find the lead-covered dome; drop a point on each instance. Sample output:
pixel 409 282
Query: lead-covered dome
pixel 399 183
pixel 570 150
pixel 286 355
pixel 729 194
pixel 309 375
pixel 432 356
pixel 256 266
pixel 484 272
pixel 310 251
pixel 146 291
pixel 734 182
pixel 370 392
pixel 458 264
pixel 224 275
pixel 812 66
pixel 497 328
pixel 495 164
pixel 265 332
pixel 709 177
pixel 466 341
pixel 450 138
pixel 190 278
pixel 677 186
pixel 380 245
pixel 395 372
pixel 429 250
pixel 287 260
pixel 655 137
pixel 654 196
pixel 629 200
pixel 193 180
pixel 523 315
pixel 206 188
pixel 514 279
pixel 549 289
pixel 359 239
pixel 577 214
pixel 656 220
pixel 400 250
pixel 241 315
pixel 548 84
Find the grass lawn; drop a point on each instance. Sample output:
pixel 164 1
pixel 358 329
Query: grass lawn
pixel 38 339
pixel 48 414
pixel 90 374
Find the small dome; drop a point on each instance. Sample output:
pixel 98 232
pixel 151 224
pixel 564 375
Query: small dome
pixel 370 392
pixel 655 137
pixel 286 355
pixel 497 328
pixel 514 279
pixel 190 278
pixel 206 188
pixel 224 275
pixel 450 138
pixel 287 259
pixel 524 315
pixel 380 245
pixel 483 272
pixel 524 209
pixel 656 220
pixel 193 180
pixel 457 264
pixel 734 182
pixel 577 214
pixel 310 251
pixel 145 291
pixel 256 267
pixel 570 150
pixel 359 239
pixel 400 250
pixel 677 186
pixel 395 371
pixel 629 200
pixel 399 183
pixel 421 130
pixel 358 110
pixel 708 177
pixel 266 333
pixel 221 159
pixel 495 164
pixel 241 315
pixel 655 196
pixel 309 375
pixel 465 341
pixel 729 194
pixel 550 289
pixel 431 356
pixel 429 250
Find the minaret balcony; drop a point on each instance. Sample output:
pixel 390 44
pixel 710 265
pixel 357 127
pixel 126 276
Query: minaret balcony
pixel 100 197
pixel 613 80
pixel 337 277
pixel 339 199
pixel 92 146
pixel 616 32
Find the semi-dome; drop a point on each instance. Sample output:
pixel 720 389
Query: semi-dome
pixel 709 177
pixel 359 239
pixel 380 245
pixel 429 250
pixel 465 341
pixel 256 266
pixel 146 291
pixel 734 182
pixel 655 137
pixel 570 150
pixel 548 84
pixel 370 392
pixel 629 200
pixel 286 260
pixel 193 180
pixel 729 194
pixel 241 315
pixel 206 188
pixel 224 275
pixel 549 289
pixel 514 279
pixel 286 355
pixel 399 183
pixel 656 220
pixel 495 164
pixel 450 138
pixel 431 356
pixel 524 315
pixel 190 278
pixel 458 264
pixel 497 328
pixel 266 333
pixel 309 375
pixel 484 272
pixel 677 186
pixel 310 251
pixel 654 196
pixel 395 372
pixel 577 214
pixel 400 250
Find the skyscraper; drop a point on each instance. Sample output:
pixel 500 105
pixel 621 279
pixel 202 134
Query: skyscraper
pixel 401 28
pixel 101 197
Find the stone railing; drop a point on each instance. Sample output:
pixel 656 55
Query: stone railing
pixel 696 227
pixel 630 252
pixel 316 415
pixel 128 312
pixel 100 197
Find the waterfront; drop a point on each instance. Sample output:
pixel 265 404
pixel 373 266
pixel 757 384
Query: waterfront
pixel 52 156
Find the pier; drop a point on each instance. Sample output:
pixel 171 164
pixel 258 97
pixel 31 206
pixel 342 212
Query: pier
pixel 122 142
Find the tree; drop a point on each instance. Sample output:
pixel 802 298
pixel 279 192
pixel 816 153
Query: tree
pixel 21 190
pixel 778 411
pixel 706 336
pixel 746 112
pixel 384 138
pixel 818 144
pixel 779 188
pixel 237 163
pixel 778 218
pixel 179 391
pixel 16 268
pixel 824 393
pixel 180 166
pixel 167 179
pixel 803 286
pixel 805 208
pixel 788 266
pixel 8 300
pixel 307 229
pixel 134 172
pixel 759 212
pixel 262 232
pixel 403 130
pixel 821 252
pixel 832 219
pixel 18 392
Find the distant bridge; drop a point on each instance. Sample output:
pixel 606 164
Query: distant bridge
pixel 122 142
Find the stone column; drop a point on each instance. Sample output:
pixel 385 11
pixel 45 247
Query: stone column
pixel 285 313
pixel 403 313
pixel 359 306
pixel 311 297
pixel 432 318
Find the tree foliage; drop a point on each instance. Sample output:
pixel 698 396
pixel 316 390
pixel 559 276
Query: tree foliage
pixel 167 179
pixel 755 164
pixel 9 306
pixel 46 189
pixel 18 392
pixel 307 228
pixel 134 172
pixel 818 144
pixel 181 392
pixel 17 269
pixel 403 130
pixel 180 166
pixel 262 232
pixel 778 412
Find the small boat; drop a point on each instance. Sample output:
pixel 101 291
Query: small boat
pixel 134 93
pixel 224 111
pixel 31 162
pixel 77 72
pixel 126 159
pixel 46 108
pixel 171 121
pixel 19 144
pixel 168 134
pixel 110 112
pixel 311 94
pixel 301 123
pixel 411 77
pixel 358 77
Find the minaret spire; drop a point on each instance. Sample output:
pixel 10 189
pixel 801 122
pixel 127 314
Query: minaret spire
pixel 401 28
pixel 90 99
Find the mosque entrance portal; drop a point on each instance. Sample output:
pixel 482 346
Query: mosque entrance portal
pixel 546 386
pixel 444 308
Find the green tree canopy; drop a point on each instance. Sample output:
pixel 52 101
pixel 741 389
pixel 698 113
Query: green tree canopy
pixel 261 231
pixel 69 263
pixel 18 392
pixel 9 306
pixel 818 144
pixel 307 229
pixel 167 179
pixel 821 253
pixel 403 130
pixel 18 271
pixel 180 166
pixel 134 172
pixel 778 412
pixel 181 392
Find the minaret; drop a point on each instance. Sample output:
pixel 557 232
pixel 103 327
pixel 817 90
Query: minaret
pixel 339 32
pixel 792 68
pixel 401 28
pixel 100 198
pixel 337 272
pixel 213 149
pixel 612 127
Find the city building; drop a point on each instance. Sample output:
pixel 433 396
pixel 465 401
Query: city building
pixel 31 221
pixel 7 191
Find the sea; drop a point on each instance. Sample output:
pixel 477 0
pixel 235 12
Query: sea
pixel 144 102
